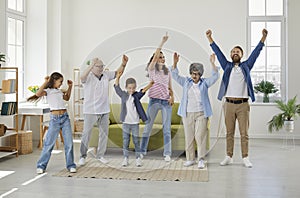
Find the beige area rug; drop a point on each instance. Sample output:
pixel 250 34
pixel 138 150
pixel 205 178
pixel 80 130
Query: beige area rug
pixel 152 170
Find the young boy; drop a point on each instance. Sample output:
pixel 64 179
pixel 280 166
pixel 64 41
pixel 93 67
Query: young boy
pixel 131 113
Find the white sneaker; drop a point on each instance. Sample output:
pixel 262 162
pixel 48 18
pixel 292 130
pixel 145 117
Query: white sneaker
pixel 39 171
pixel 247 162
pixel 103 160
pixel 73 170
pixel 188 163
pixel 125 161
pixel 141 156
pixel 226 161
pixel 167 158
pixel 138 162
pixel 201 164
pixel 81 161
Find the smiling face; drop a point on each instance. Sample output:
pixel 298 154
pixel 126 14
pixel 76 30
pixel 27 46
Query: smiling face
pixel 195 76
pixel 236 54
pixel 98 67
pixel 58 83
pixel 161 58
pixel 131 88
pixel 130 85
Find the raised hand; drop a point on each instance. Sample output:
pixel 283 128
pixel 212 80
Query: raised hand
pixel 124 60
pixel 70 83
pixel 209 36
pixel 208 33
pixel 264 35
pixel 175 59
pixel 264 32
pixel 212 58
pixel 165 38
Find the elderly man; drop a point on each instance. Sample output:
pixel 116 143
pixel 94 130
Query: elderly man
pixel 96 105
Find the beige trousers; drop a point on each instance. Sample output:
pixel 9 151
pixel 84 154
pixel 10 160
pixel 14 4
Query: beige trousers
pixel 195 130
pixel 239 112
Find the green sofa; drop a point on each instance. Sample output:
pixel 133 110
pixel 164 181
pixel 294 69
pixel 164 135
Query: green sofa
pixel 115 139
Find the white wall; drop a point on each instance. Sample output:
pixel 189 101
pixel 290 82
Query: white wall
pixel 3 27
pixel 86 24
pixel 36 43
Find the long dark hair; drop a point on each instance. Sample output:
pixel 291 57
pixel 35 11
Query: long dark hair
pixel 53 77
pixel 164 68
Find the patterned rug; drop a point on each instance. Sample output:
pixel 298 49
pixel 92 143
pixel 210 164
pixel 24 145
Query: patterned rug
pixel 152 170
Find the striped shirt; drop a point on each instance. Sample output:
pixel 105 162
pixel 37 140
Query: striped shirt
pixel 160 88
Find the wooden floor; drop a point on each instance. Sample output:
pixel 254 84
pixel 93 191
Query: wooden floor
pixel 275 173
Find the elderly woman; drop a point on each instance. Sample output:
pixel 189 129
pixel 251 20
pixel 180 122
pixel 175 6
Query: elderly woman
pixel 195 108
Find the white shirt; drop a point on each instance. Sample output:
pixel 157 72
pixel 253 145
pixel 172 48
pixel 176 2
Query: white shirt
pixel 55 99
pixel 132 116
pixel 237 86
pixel 96 93
pixel 194 99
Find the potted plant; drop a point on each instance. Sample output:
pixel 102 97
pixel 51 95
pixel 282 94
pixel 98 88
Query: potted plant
pixel 289 112
pixel 265 87
pixel 2 58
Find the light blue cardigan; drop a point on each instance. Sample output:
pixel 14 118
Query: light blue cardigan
pixel 186 83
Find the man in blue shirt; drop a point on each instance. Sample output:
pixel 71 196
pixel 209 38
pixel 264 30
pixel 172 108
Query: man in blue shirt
pixel 236 87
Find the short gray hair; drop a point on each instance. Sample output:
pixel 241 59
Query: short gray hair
pixel 197 67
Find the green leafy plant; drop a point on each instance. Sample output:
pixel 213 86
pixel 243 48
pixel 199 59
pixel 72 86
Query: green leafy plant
pixel 289 111
pixel 265 87
pixel 2 57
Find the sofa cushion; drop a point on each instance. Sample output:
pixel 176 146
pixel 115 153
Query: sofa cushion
pixel 114 115
pixel 176 119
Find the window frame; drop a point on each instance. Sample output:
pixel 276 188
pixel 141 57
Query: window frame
pixel 283 64
pixel 14 14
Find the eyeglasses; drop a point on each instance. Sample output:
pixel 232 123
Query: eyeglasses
pixel 195 74
pixel 99 66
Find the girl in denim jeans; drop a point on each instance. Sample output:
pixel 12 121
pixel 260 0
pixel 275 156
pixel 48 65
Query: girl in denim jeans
pixel 160 95
pixel 59 119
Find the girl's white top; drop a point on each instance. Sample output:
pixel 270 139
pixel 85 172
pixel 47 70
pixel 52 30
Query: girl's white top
pixel 55 99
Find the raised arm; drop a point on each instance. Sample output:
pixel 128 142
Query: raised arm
pixel 255 53
pixel 85 73
pixel 209 36
pixel 67 94
pixel 222 59
pixel 118 76
pixel 157 52
pixel 41 91
pixel 148 86
pixel 212 60
pixel 215 71
pixel 175 60
pixel 264 35
pixel 123 64
pixel 175 73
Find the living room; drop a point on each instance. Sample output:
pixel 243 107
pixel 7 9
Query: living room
pixel 63 35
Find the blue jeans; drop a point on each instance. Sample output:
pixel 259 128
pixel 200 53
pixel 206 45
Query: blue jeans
pixel 58 122
pixel 126 138
pixel 166 110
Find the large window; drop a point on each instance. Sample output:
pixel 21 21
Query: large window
pixel 15 38
pixel 271 64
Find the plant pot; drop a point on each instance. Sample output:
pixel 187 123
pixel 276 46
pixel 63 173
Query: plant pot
pixel 289 125
pixel 266 98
